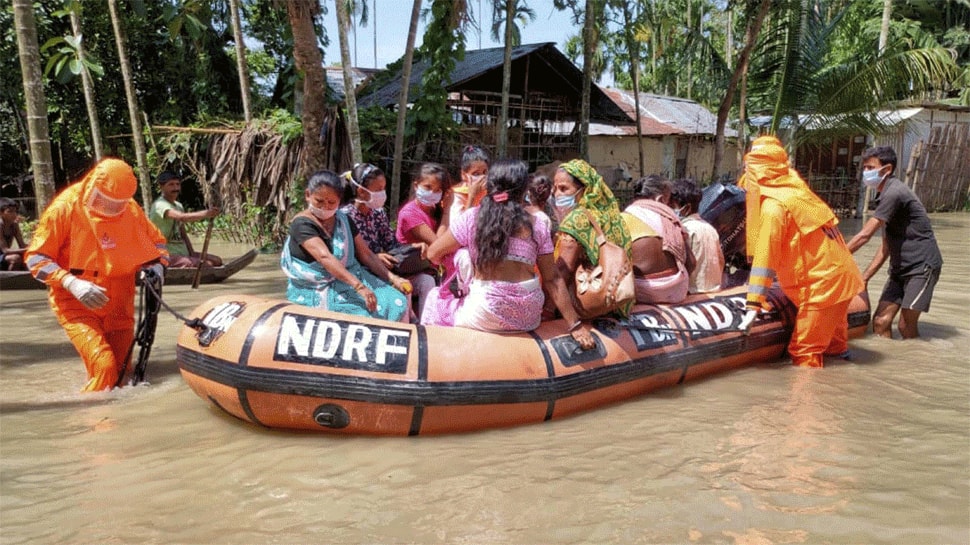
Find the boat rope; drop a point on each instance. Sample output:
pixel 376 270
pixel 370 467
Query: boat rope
pixel 194 323
pixel 150 296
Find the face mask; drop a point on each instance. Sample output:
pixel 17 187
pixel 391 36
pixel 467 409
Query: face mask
pixel 377 199
pixel 104 205
pixel 565 202
pixel 321 213
pixel 871 178
pixel 427 198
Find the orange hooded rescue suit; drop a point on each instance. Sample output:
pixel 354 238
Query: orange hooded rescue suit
pixel 793 234
pixel 95 232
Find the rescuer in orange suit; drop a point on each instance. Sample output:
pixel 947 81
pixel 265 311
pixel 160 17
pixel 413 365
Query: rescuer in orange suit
pixel 793 234
pixel 88 246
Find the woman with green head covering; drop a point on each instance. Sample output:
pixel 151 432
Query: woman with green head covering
pixel 578 188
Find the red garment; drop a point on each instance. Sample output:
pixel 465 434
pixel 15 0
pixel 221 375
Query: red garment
pixel 70 238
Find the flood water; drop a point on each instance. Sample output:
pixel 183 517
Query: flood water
pixel 872 451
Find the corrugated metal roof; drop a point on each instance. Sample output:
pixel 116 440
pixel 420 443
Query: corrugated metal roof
pixel 662 115
pixel 481 70
pixel 335 79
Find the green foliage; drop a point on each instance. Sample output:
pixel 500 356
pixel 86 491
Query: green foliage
pixel 65 61
pixel 444 43
pixel 283 123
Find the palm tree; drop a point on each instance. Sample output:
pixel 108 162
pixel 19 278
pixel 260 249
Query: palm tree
pixel 508 11
pixel 844 97
pixel 755 19
pixel 40 144
pixel 350 97
pixel 631 21
pixel 309 61
pixel 241 64
pixel 137 136
pixel 402 108
pixel 86 83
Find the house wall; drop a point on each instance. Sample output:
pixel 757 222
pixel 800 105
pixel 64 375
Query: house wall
pixel 916 129
pixel 660 155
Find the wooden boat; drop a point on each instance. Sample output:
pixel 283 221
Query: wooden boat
pixel 19 280
pixel 281 365
pixel 22 280
pixel 210 275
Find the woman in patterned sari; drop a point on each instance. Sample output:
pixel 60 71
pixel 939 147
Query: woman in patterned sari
pixel 328 264
pixel 577 188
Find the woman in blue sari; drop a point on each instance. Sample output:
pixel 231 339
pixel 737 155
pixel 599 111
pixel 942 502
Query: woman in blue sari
pixel 328 264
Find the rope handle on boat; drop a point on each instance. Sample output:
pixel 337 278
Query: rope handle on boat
pixel 194 323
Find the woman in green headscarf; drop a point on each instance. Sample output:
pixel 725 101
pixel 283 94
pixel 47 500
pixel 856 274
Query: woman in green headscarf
pixel 577 188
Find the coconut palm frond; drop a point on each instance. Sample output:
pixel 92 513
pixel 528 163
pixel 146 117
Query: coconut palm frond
pixel 871 84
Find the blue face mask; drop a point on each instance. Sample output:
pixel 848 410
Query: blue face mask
pixel 565 202
pixel 871 178
pixel 426 197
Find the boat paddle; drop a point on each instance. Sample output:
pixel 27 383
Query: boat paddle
pixel 203 255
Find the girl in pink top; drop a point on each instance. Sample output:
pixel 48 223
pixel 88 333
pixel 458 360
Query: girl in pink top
pixel 505 243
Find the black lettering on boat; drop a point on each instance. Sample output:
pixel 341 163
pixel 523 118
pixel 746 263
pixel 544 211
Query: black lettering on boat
pixel 339 343
pixel 650 330
pixel 710 317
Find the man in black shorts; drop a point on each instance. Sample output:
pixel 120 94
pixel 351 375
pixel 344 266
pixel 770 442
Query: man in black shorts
pixel 907 240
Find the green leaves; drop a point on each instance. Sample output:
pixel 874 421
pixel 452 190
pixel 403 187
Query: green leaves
pixel 65 60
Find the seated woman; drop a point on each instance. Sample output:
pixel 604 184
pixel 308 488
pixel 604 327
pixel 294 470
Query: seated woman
pixel 662 259
pixel 705 243
pixel 368 215
pixel 505 243
pixel 537 199
pixel 578 188
pixel 328 264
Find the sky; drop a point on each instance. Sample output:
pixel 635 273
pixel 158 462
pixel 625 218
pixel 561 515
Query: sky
pixel 393 17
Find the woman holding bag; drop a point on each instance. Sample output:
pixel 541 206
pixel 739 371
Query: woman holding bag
pixel 368 185
pixel 581 195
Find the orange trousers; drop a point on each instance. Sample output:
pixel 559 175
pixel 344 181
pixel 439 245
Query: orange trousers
pixel 101 337
pixel 818 333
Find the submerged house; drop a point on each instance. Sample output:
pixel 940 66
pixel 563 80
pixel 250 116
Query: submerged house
pixel 678 139
pixel 544 103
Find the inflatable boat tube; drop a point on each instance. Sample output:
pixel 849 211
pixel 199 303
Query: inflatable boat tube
pixel 282 365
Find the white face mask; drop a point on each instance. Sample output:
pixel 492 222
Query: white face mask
pixel 872 178
pixel 322 214
pixel 426 197
pixel 377 199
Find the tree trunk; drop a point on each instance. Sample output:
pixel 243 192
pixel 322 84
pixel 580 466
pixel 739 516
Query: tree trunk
pixel 309 61
pixel 589 48
pixel 503 121
pixel 136 132
pixel 887 12
pixel 750 39
pixel 350 96
pixel 402 108
pixel 40 143
pixel 241 65
pixel 88 87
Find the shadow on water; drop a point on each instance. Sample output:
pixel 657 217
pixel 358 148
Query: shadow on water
pixel 16 354
pixel 88 401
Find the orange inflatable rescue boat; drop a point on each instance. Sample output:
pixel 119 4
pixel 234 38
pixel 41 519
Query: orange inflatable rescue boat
pixel 283 365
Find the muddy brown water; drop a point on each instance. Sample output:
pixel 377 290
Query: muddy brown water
pixel 872 451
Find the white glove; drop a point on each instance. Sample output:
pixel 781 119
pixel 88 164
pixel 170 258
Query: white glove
pixel 88 293
pixel 156 269
pixel 746 320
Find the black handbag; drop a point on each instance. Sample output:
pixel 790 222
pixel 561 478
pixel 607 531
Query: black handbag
pixel 408 260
